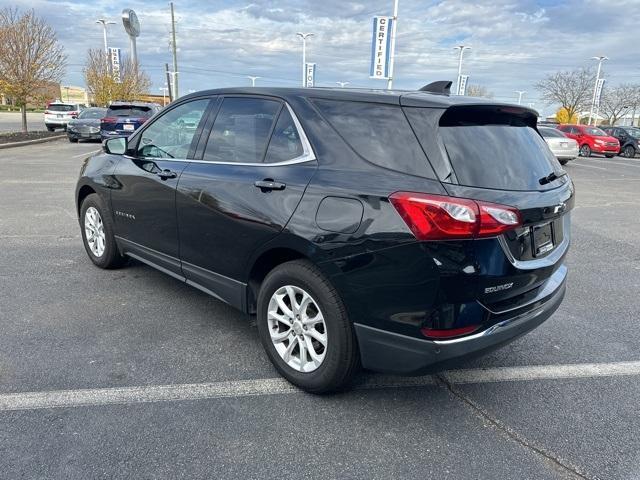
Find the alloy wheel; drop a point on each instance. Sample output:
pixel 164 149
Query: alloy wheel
pixel 629 151
pixel 585 151
pixel 94 231
pixel 297 328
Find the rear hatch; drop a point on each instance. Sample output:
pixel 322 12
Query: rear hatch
pixel 61 112
pixel 493 153
pixel 124 119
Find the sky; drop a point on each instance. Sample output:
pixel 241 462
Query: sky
pixel 514 43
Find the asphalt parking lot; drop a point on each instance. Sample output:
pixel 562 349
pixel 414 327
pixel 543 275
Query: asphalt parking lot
pixel 131 374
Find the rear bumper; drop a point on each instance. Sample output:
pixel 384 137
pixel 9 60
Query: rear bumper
pixel 84 136
pixel 394 353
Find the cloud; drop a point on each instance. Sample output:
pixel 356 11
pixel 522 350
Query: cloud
pixel 514 42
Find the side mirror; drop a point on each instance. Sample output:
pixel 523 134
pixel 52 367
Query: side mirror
pixel 115 146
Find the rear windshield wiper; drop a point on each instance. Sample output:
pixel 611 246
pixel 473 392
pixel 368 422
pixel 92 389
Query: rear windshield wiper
pixel 551 177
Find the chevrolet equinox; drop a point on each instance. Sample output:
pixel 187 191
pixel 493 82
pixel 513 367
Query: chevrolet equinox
pixel 399 231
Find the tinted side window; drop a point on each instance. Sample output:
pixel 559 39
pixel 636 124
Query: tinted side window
pixel 379 133
pixel 285 142
pixel 241 130
pixel 170 135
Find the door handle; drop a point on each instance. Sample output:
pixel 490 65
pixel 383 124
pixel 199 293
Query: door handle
pixel 164 174
pixel 269 184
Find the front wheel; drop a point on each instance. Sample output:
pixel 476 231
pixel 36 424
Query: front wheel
pixel 609 155
pixel 585 151
pixel 304 328
pixel 629 151
pixel 97 233
pixel 73 140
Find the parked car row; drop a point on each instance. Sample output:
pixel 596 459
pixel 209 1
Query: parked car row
pixel 95 123
pixel 569 141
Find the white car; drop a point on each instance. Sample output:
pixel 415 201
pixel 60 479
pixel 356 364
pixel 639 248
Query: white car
pixel 58 114
pixel 563 147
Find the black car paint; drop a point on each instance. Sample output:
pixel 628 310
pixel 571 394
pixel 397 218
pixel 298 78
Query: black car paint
pixel 624 137
pixel 388 281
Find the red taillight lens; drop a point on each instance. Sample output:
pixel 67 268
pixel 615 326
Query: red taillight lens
pixel 448 332
pixel 109 120
pixel 437 217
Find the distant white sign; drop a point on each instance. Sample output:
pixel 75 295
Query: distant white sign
pixel 309 74
pixel 381 47
pixel 462 84
pixel 116 61
pixel 599 87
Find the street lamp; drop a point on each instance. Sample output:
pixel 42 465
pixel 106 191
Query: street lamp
pixel 520 95
pixel 342 84
pixel 462 48
pixel 104 24
pixel 67 89
pixel 253 80
pixel 304 37
pixel 595 89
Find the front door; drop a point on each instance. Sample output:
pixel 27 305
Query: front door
pixel 241 193
pixel 143 195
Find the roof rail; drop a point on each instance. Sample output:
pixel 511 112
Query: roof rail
pixel 442 87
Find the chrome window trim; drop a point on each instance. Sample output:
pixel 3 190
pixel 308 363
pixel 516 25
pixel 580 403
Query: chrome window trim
pixel 307 151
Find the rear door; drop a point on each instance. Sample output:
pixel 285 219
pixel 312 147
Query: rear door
pixel 143 190
pixel 253 166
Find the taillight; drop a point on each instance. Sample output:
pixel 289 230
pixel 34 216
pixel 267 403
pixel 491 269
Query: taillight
pixel 443 333
pixel 437 217
pixel 109 120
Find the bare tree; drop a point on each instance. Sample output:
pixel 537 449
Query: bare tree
pixel 102 85
pixel 572 90
pixel 616 102
pixel 30 57
pixel 479 91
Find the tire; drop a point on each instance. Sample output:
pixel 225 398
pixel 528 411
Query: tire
pixel 109 257
pixel 340 357
pixel 629 151
pixel 564 161
pixel 585 151
pixel 73 140
pixel 50 129
pixel 609 155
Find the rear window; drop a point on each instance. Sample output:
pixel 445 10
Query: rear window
pixel 493 147
pixel 379 133
pixel 129 111
pixel 551 133
pixel 92 113
pixel 62 108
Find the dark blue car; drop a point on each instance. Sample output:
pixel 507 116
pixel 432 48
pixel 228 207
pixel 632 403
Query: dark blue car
pixel 124 118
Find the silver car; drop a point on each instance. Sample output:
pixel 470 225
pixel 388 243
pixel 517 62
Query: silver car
pixel 563 147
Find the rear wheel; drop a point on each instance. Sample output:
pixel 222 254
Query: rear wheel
pixel 97 233
pixel 585 151
pixel 50 129
pixel 564 161
pixel 629 151
pixel 304 328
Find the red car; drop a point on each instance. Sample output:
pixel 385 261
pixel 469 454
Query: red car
pixel 592 140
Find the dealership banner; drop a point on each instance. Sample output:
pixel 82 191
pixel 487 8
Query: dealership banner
pixel 462 84
pixel 599 87
pixel 381 47
pixel 309 74
pixel 115 59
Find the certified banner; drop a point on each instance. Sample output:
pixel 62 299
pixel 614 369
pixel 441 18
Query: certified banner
pixel 115 59
pixel 462 84
pixel 381 47
pixel 599 87
pixel 309 74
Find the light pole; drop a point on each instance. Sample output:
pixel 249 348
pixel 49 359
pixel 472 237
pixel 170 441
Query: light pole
pixel 342 84
pixel 520 95
pixel 462 48
pixel 104 24
pixel 595 88
pixel 304 37
pixel 164 95
pixel 67 89
pixel 392 53
pixel 253 80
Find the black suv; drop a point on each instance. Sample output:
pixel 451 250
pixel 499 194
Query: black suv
pixel 398 231
pixel 628 138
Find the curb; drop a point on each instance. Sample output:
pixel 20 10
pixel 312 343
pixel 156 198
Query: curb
pixel 31 142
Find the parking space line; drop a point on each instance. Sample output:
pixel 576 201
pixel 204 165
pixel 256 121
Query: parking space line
pixel 279 386
pixel 86 153
pixel 588 166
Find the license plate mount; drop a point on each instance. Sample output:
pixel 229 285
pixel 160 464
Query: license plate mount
pixel 128 127
pixel 542 238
